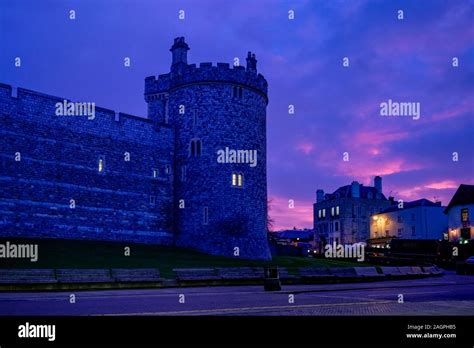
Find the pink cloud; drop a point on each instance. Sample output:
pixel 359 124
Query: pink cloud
pixel 285 217
pixel 305 147
pixel 441 185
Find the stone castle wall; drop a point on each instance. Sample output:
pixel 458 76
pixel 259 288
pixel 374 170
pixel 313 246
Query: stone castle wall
pixel 125 202
pixel 59 162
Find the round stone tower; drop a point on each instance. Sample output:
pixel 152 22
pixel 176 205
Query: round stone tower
pixel 220 185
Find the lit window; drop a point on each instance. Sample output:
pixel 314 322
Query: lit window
pixel 101 165
pixel 168 169
pixel 237 179
pixel 155 173
pixel 205 216
pixel 337 210
pixel 319 213
pixel 324 213
pixel 332 211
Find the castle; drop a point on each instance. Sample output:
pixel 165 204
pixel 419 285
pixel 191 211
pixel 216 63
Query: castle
pixel 155 180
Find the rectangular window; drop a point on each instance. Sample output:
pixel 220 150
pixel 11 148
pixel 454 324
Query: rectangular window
pixel 332 211
pixel 155 173
pixel 324 213
pixel 205 216
pixel 413 231
pixel 168 169
pixel 464 215
pixel 319 213
pixel 234 179
pixel 336 226
pixel 101 164
pixel 337 210
pixel 152 201
pixel 183 173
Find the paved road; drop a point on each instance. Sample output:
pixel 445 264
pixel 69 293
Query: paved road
pixel 447 295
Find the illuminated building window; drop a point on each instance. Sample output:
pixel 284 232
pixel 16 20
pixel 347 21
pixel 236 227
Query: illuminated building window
pixel 319 214
pixel 324 213
pixel 237 179
pixel 168 169
pixel 101 164
pixel 337 210
pixel 332 211
pixel 155 173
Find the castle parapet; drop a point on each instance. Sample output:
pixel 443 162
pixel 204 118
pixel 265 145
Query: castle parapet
pixel 206 73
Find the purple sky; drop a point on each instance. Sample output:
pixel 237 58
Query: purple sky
pixel 336 108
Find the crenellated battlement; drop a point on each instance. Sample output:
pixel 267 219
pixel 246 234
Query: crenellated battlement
pixel 206 72
pixel 184 74
pixel 12 99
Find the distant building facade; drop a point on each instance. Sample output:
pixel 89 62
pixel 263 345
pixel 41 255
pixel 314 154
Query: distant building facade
pixel 459 214
pixel 344 215
pixel 420 219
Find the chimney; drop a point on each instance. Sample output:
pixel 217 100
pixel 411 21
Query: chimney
pixel 355 189
pixel 378 184
pixel 319 196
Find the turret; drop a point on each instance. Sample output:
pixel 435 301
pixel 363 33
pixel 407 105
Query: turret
pixel 179 52
pixel 251 63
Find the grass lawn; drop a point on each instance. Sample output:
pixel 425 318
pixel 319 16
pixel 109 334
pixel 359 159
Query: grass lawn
pixel 85 254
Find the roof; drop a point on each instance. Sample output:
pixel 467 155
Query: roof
pixel 407 205
pixel 464 195
pixel 346 191
pixel 292 234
